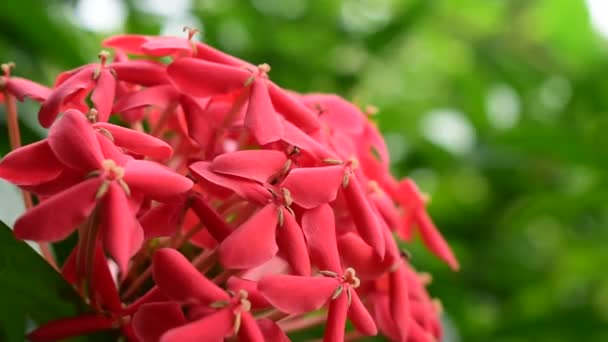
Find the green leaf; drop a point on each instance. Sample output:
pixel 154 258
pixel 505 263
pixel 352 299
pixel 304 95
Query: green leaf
pixel 31 290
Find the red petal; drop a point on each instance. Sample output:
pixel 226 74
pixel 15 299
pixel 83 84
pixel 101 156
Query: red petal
pixel 291 242
pixel 253 294
pixel 206 52
pixel 261 119
pixel 249 330
pixel 22 88
pixel 399 301
pixel 386 208
pixel 296 137
pixel 130 43
pixel 141 72
pixel 383 318
pixel 211 328
pixel 199 78
pixel 119 227
pixel 103 95
pixel 364 216
pixel 258 165
pixel 165 46
pixel 182 282
pixel 242 187
pixel 201 127
pixel 56 217
pixel 160 96
pixel 74 142
pixel 360 256
pixel 152 320
pixel 295 294
pixel 104 282
pixel 293 110
pixel 161 220
pixel 82 79
pixel 154 295
pixel 358 314
pixel 338 113
pixel 271 331
pixel 137 142
pixel 313 186
pixel 30 165
pixel 434 240
pixel 215 224
pixel 155 180
pixel 253 242
pixel 70 327
pixel 320 230
pixel 336 319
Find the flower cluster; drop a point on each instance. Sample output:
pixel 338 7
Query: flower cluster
pixel 231 207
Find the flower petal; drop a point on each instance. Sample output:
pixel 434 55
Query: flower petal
pixel 182 282
pixel 152 320
pixel 295 294
pixel 319 228
pixel 291 242
pixel 201 79
pixel 293 110
pixel 119 226
pixel 166 46
pixel 399 301
pixel 103 95
pixel 336 319
pixel 137 142
pixel 271 331
pixel 161 220
pixel 201 126
pixel 64 328
pixel 82 79
pixel 338 113
pixel 253 242
pixel 56 217
pixel 296 137
pixel 160 96
pixel 208 53
pixel 364 216
pixel 313 186
pixel 242 187
pixel 142 72
pixel 130 43
pixel 211 328
pixel 257 300
pixel 258 165
pixel 249 330
pixel 155 180
pixel 30 165
pixel 261 119
pixel 434 241
pixel 360 317
pixel 360 256
pixel 22 88
pixel 74 142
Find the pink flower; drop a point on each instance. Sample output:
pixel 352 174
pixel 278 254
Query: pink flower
pixel 282 204
pixel 114 183
pixel 213 313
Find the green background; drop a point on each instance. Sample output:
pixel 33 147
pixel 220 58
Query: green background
pixel 498 109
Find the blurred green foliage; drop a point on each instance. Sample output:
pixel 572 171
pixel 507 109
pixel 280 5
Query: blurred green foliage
pixel 498 108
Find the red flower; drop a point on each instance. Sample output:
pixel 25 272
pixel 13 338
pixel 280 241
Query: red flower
pixel 293 194
pixel 112 184
pixel 213 313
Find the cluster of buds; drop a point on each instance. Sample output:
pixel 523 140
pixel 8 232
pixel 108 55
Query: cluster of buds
pixel 211 203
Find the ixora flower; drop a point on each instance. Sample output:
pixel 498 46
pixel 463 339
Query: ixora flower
pixel 233 208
